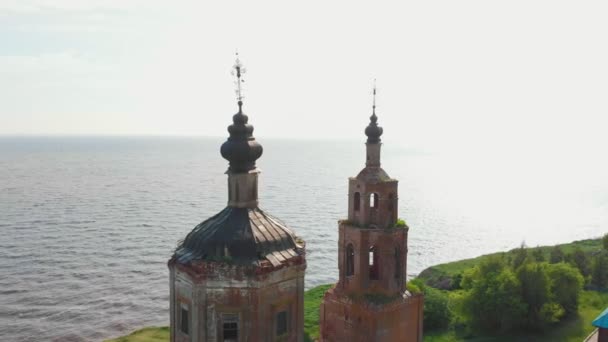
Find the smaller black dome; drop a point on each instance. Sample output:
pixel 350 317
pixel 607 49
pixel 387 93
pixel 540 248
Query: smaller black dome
pixel 373 131
pixel 241 149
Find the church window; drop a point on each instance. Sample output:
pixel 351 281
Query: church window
pixel 282 323
pixel 184 319
pixel 373 200
pixel 357 201
pixel 230 327
pixel 350 260
pixel 391 199
pixel 373 263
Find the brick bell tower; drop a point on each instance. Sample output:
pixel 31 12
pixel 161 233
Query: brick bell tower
pixel 370 302
pixel 239 275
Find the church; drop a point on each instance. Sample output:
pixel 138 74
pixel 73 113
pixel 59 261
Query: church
pixel 239 275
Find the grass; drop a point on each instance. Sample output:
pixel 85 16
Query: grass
pixel 151 334
pixel 312 301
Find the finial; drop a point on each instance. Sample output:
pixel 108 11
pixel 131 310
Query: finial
pixel 238 72
pixel 374 103
pixel 241 149
pixel 373 131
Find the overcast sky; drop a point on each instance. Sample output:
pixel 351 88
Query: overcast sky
pixel 512 75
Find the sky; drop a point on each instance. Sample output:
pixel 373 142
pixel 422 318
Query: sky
pixel 525 76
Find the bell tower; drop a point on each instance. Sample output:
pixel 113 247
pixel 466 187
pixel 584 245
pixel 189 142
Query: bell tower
pixel 370 302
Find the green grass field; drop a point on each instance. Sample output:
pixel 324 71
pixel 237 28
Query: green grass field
pixel 151 334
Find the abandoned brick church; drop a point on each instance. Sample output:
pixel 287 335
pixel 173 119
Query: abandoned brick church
pixel 239 275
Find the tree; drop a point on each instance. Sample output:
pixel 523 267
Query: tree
pixel 492 299
pixel 556 255
pixel 521 254
pixel 566 286
pixel 536 293
pixel 437 314
pixel 605 241
pixel 580 259
pixel 538 254
pixel 599 274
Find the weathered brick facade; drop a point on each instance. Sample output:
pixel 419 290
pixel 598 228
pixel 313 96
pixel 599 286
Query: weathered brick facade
pixel 252 297
pixel 370 302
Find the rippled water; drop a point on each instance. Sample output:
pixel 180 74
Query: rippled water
pixel 88 224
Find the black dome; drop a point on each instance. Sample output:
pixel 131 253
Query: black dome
pixel 241 149
pixel 373 131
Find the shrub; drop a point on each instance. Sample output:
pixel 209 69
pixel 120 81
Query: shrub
pixel 536 293
pixel 437 314
pixel 566 286
pixel 492 301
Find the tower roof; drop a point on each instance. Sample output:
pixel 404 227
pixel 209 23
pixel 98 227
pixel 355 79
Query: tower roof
pixel 241 149
pixel 240 236
pixel 373 131
pixel 601 321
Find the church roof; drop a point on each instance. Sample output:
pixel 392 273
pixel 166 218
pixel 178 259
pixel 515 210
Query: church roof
pixel 240 236
pixel 602 320
pixel 374 175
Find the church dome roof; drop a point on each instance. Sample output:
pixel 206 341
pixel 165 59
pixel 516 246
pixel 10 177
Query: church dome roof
pixel 373 131
pixel 241 236
pixel 241 149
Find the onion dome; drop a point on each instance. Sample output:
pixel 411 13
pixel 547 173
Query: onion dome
pixel 241 149
pixel 373 131
pixel 246 236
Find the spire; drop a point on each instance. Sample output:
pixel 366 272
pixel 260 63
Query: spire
pixel 241 149
pixel 373 131
pixel 238 71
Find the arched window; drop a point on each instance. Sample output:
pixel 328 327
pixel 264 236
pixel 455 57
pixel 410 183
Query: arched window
pixel 357 201
pixel 350 260
pixel 373 200
pixel 391 199
pixel 374 265
pixel 397 263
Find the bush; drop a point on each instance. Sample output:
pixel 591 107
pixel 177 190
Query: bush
pixel 492 301
pixel 536 293
pixel 437 314
pixel 566 286
pixel 605 241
